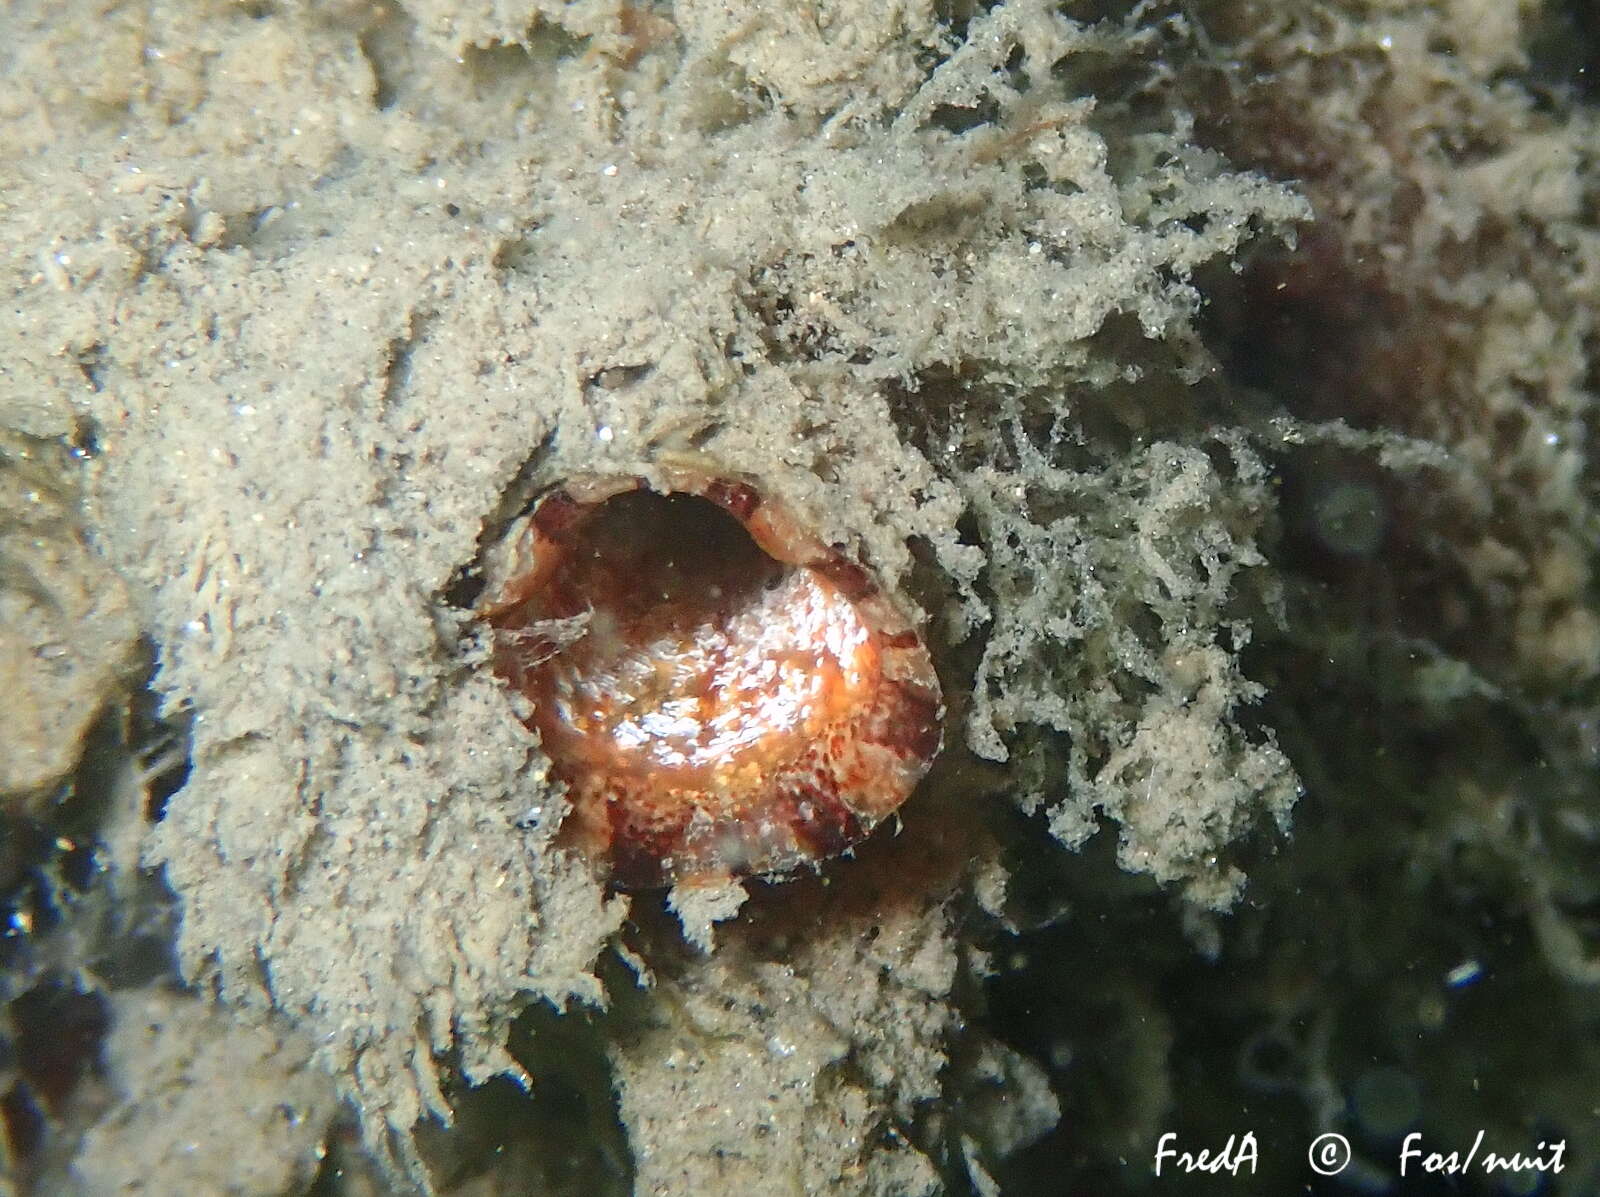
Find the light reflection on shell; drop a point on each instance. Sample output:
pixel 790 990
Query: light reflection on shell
pixel 723 694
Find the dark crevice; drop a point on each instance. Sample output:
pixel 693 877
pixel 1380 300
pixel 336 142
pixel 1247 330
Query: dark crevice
pixel 1564 50
pixel 59 1031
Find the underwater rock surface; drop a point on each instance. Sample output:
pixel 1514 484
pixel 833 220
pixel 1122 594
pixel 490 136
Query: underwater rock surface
pixel 1213 381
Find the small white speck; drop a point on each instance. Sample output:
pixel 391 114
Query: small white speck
pixel 1386 42
pixel 604 433
pixel 609 170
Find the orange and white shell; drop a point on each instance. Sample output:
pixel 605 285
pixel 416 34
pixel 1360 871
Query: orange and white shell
pixel 723 694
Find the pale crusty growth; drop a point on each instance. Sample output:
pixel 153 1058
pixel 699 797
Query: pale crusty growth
pixel 752 1074
pixel 1117 633
pixel 69 640
pixel 204 1102
pixel 752 1079
pixel 332 293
